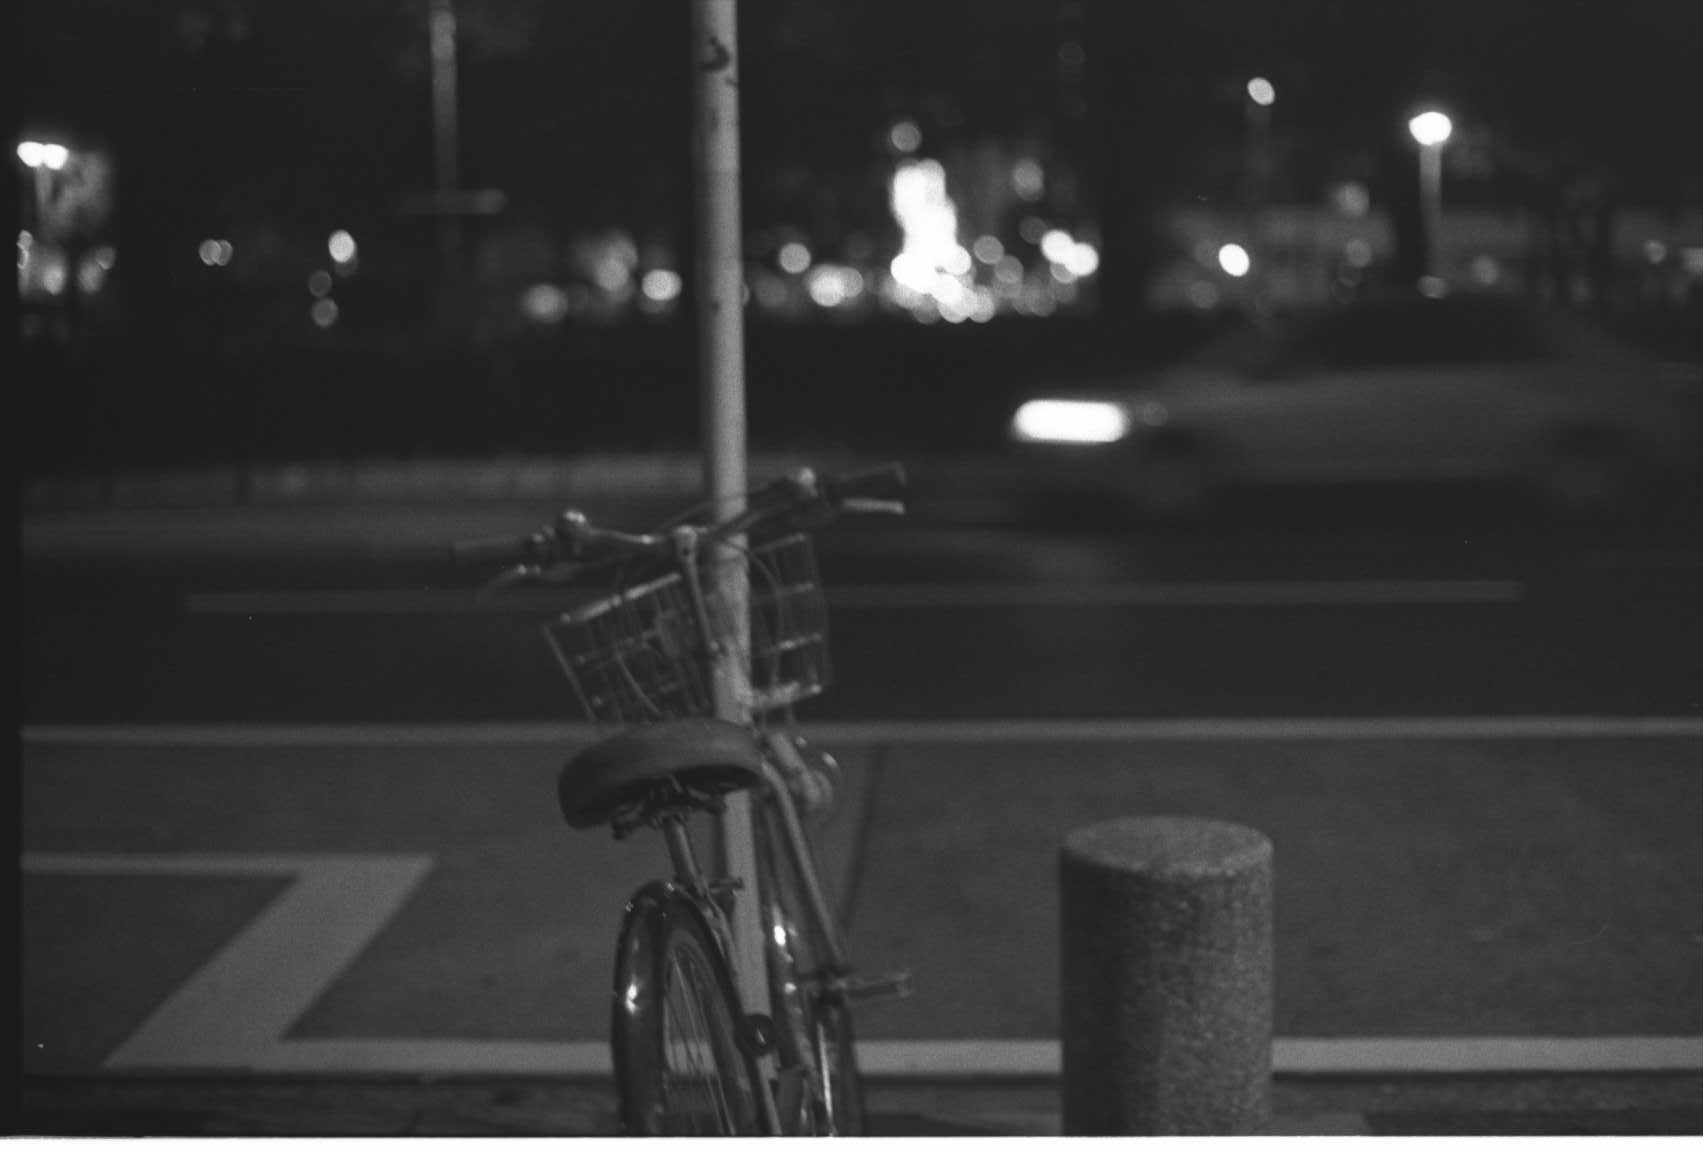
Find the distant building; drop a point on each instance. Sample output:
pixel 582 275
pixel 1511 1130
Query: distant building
pixel 1308 255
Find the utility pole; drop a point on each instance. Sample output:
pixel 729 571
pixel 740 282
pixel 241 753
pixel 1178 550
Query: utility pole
pixel 445 153
pixel 721 332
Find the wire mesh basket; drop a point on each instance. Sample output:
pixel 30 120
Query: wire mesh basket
pixel 640 654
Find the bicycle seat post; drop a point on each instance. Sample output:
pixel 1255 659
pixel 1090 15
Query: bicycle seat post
pixel 680 852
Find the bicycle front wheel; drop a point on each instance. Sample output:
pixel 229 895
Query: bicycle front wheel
pixel 679 1067
pixel 836 1058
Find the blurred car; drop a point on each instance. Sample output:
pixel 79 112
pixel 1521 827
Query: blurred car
pixel 1392 390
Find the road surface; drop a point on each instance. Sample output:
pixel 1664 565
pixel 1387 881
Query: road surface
pixel 287 788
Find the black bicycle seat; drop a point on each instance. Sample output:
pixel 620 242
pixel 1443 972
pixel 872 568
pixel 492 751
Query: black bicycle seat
pixel 700 757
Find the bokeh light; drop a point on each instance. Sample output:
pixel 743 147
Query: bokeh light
pixel 1352 198
pixel 36 154
pixel 215 253
pixel 341 245
pixel 905 136
pixel 1028 179
pixel 832 285
pixel 661 285
pixel 1056 245
pixel 794 257
pixel 1431 128
pixel 544 304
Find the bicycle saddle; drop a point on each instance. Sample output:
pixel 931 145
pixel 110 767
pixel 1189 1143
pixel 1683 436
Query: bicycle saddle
pixel 701 756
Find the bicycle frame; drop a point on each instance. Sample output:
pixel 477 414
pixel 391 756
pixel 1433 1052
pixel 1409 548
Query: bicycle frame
pixel 782 829
pixel 647 653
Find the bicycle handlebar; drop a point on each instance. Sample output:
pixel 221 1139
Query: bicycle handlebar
pixel 494 550
pixel 573 540
pixel 884 484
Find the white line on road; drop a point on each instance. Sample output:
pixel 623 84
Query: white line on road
pixel 1087 731
pixel 240 1004
pixel 1309 1056
pixel 1220 594
pixel 977 1059
pixel 1207 594
pixel 236 1012
pixel 378 602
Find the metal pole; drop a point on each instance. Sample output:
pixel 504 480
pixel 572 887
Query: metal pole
pixel 1431 203
pixel 721 295
pixel 446 147
pixel 43 199
pixel 1254 164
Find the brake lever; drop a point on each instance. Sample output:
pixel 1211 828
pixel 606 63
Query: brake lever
pixel 562 572
pixel 507 578
pixel 863 505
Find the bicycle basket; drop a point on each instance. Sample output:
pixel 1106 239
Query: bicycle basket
pixel 639 655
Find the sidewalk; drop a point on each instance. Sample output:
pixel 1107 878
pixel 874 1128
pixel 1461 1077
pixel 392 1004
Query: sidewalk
pixel 488 960
pixel 1647 1106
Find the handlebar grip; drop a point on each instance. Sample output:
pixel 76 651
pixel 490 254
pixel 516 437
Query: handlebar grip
pixel 501 550
pixel 884 482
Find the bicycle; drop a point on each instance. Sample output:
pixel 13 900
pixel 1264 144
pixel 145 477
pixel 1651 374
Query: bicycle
pixel 689 1057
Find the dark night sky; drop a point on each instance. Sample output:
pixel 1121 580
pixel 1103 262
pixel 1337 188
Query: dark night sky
pixel 585 101
pixel 224 111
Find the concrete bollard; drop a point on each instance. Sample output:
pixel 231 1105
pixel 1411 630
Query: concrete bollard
pixel 1166 981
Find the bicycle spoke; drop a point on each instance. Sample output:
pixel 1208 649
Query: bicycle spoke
pixel 696 1052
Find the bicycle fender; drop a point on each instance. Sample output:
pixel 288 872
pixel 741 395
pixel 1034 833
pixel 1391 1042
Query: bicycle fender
pixel 648 909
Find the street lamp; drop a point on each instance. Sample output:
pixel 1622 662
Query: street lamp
pixel 1431 129
pixel 44 160
pixel 1262 94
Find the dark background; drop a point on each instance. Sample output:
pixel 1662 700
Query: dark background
pixel 274 121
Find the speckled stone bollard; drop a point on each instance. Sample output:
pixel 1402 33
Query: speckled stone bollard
pixel 1167 978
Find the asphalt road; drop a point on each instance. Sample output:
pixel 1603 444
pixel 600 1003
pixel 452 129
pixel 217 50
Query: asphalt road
pixel 1473 743
pixel 352 615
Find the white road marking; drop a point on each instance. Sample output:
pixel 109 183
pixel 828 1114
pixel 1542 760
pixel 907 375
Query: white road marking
pixel 1449 1055
pixel 235 1013
pixel 236 1009
pixel 981 1059
pixel 1308 1056
pixel 1209 594
pixel 379 602
pixel 1223 594
pixel 1204 729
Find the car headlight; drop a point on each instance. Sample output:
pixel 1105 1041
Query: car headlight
pixel 1070 422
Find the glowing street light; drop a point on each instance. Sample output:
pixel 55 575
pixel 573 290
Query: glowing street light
pixel 341 247
pixel 1431 129
pixel 43 159
pixel 35 154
